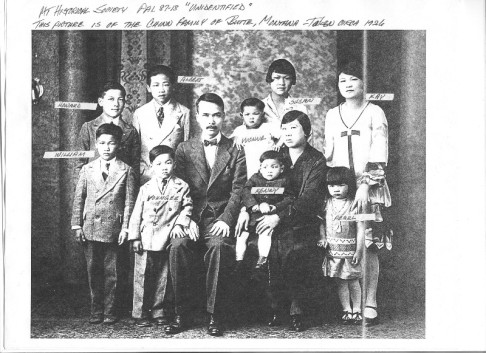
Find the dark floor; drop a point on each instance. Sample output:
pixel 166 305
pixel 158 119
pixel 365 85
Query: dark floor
pixel 63 313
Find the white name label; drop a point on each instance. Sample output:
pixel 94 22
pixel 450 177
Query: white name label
pixel 356 217
pixel 380 96
pixel 193 79
pixel 75 105
pixel 69 154
pixel 308 101
pixel 263 190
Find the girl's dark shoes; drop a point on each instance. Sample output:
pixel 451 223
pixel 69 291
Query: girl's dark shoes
pixel 357 318
pixel 347 318
pixel 296 323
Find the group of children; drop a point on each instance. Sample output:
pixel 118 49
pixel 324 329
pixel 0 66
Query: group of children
pixel 110 207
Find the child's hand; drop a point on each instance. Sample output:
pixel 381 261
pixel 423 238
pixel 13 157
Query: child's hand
pixel 177 232
pixel 137 246
pixel 238 144
pixel 192 231
pixel 322 243
pixel 79 234
pixel 264 208
pixel 122 237
pixel 356 258
pixel 255 208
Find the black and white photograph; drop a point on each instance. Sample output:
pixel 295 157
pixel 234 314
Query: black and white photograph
pixel 198 182
pixel 309 280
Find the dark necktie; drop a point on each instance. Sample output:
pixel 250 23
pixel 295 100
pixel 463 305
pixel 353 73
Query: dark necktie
pixel 160 115
pixel 212 142
pixel 106 171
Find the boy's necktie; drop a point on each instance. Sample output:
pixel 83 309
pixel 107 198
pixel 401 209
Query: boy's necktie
pixel 160 115
pixel 106 171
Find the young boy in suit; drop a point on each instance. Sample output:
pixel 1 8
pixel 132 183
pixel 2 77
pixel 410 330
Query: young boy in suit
pixel 112 99
pixel 215 170
pixel 103 202
pixel 163 120
pixel 162 211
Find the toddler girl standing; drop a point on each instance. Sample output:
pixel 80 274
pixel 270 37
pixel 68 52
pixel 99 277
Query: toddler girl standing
pixel 343 240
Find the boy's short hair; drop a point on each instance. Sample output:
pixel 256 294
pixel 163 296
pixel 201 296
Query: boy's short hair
pixel 252 102
pixel 352 68
pixel 281 66
pixel 211 98
pixel 111 85
pixel 342 175
pixel 161 149
pixel 277 155
pixel 161 69
pixel 110 129
pixel 301 117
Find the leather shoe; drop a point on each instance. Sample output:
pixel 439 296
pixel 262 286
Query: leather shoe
pixel 143 322
pixel 96 319
pixel 275 320
pixel 110 320
pixel 296 323
pixel 177 325
pixel 214 328
pixel 162 320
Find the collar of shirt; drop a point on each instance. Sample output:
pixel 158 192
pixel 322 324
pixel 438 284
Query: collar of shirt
pixel 218 139
pixel 115 121
pixel 157 106
pixel 103 163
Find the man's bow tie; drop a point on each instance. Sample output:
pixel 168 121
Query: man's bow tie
pixel 212 142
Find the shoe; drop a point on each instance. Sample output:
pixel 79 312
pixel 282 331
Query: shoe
pixel 176 325
pixel 296 323
pixel 144 322
pixel 347 318
pixel 371 321
pixel 262 264
pixel 162 321
pixel 110 320
pixel 275 320
pixel 357 318
pixel 96 319
pixel 214 328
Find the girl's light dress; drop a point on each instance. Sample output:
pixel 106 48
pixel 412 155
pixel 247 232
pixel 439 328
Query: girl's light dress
pixel 341 240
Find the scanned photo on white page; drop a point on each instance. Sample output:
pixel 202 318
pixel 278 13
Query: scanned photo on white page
pixel 245 176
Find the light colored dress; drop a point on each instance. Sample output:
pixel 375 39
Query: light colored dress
pixel 271 112
pixel 341 239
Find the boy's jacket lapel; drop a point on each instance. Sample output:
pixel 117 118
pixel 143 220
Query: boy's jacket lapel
pixel 222 158
pixel 117 170
pixel 198 158
pixel 172 117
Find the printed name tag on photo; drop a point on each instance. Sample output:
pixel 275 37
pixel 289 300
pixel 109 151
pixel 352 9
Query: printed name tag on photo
pixel 69 154
pixel 262 190
pixel 356 217
pixel 75 105
pixel 380 96
pixel 164 198
pixel 307 101
pixel 193 79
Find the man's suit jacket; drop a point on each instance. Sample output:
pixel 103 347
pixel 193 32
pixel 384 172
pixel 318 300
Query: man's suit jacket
pixel 175 129
pixel 155 214
pixel 129 149
pixel 103 207
pixel 219 188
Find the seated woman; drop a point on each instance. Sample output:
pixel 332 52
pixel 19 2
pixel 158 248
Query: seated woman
pixel 292 248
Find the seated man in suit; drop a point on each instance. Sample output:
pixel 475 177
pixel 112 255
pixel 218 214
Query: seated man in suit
pixel 216 172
